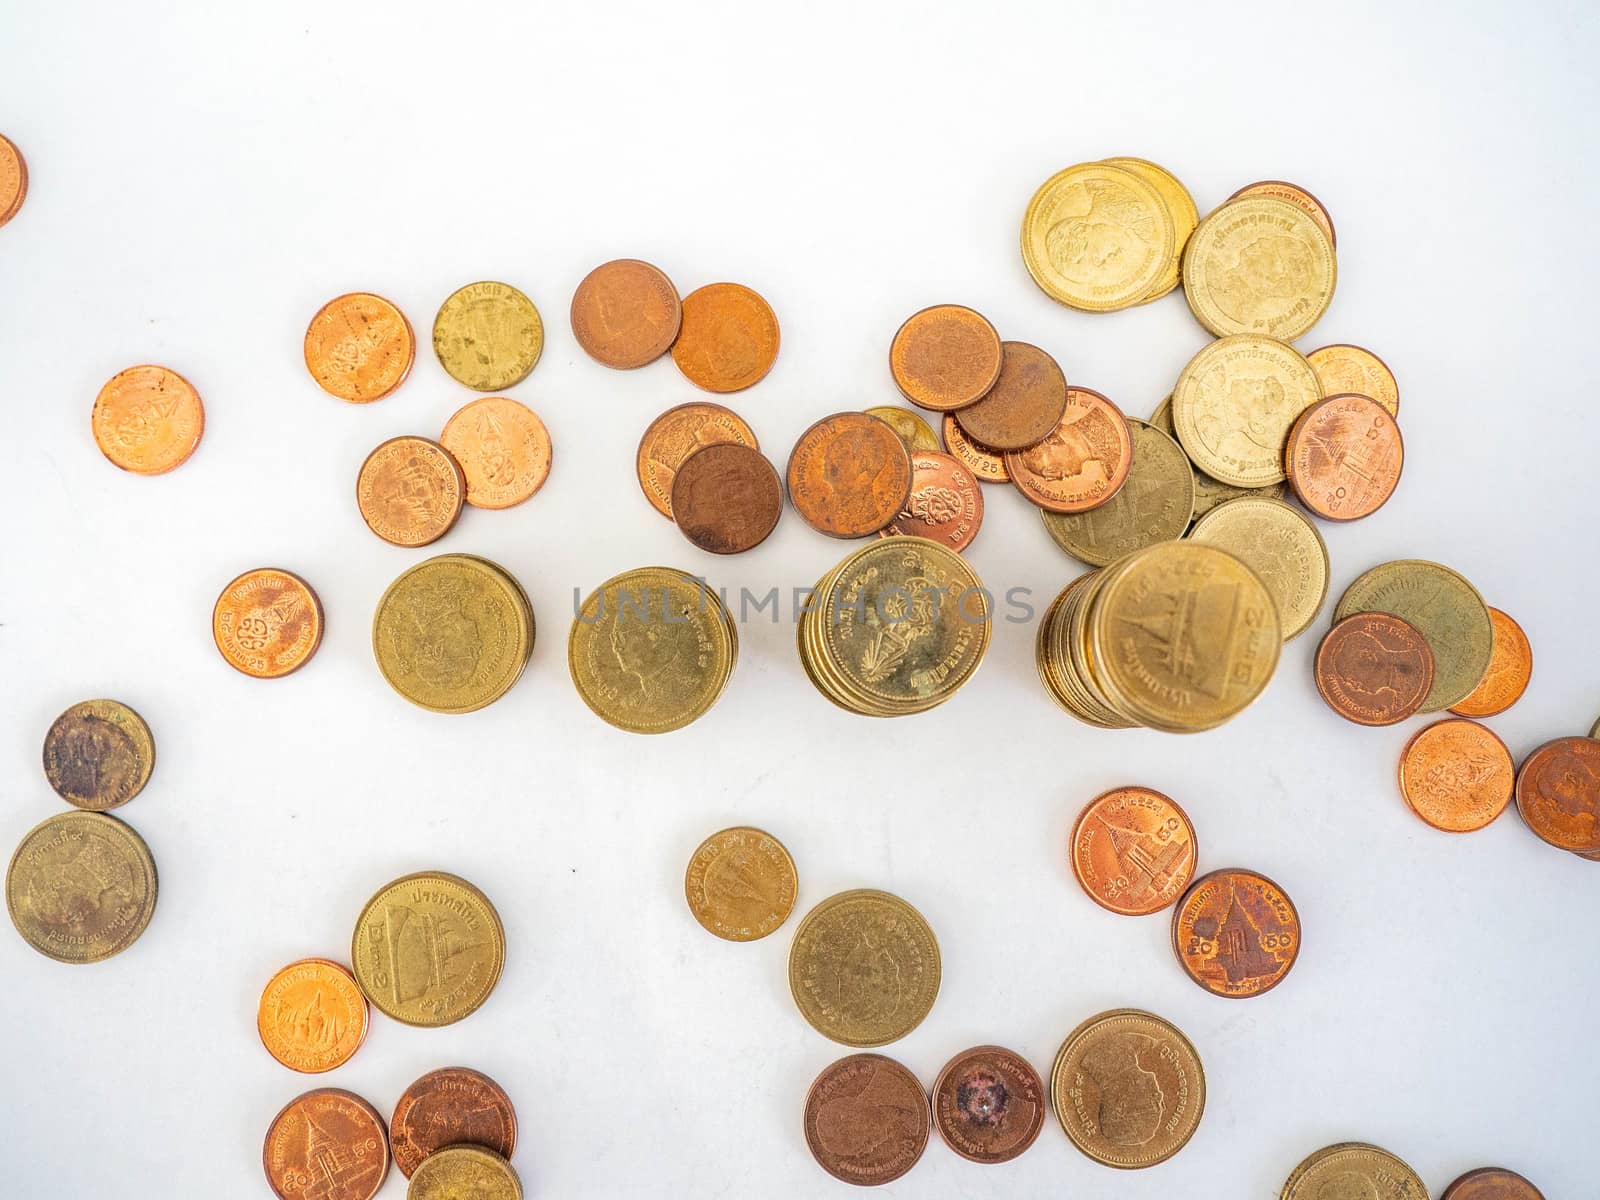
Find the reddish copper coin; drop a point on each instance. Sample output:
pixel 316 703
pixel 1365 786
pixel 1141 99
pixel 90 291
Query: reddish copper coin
pixel 1344 457
pixel 451 1107
pixel 674 436
pixel 987 464
pixel 1294 194
pixel 13 179
pixel 728 339
pixel 1082 462
pixel 726 498
pixel 1236 933
pixel 945 357
pixel 988 1104
pixel 1374 669
pixel 945 504
pixel 267 623
pixel 1492 1183
pixel 503 450
pixel 1510 669
pixel 1456 775
pixel 866 1119
pixel 849 475
pixel 1025 403
pixel 626 313
pixel 326 1143
pixel 1558 793
pixel 359 347
pixel 410 491
pixel 148 419
pixel 1133 850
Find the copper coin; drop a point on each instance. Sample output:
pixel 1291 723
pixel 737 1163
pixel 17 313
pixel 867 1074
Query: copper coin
pixel 327 1143
pixel 1133 850
pixel 988 1104
pixel 98 755
pixel 1344 457
pixel 866 1119
pixel 13 179
pixel 674 436
pixel 726 498
pixel 148 419
pixel 945 357
pixel 1026 402
pixel 1492 1183
pixel 267 623
pixel 728 339
pixel 849 475
pixel 312 1017
pixel 1558 793
pixel 1456 775
pixel 410 491
pixel 1374 668
pixel 359 347
pixel 1295 195
pixel 987 464
pixel 1510 669
pixel 450 1107
pixel 502 448
pixel 1082 462
pixel 1236 933
pixel 945 504
pixel 625 314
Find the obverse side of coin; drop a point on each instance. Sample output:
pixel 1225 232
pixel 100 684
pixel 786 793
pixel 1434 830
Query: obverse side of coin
pixel 1153 505
pixel 945 357
pixel 1180 206
pixel 988 1104
pixel 359 347
pixel 1510 669
pixel 460 1172
pixel 148 420
pixel 98 755
pixel 1558 793
pixel 1281 545
pixel 1344 368
pixel 312 1017
pixel 1025 404
pixel 945 504
pixel 1456 775
pixel 849 474
pixel 987 464
pixel 728 340
pixel 1133 850
pixel 916 433
pixel 1374 669
pixel 674 436
pixel 81 887
pixel 1210 493
pixel 1296 195
pixel 502 448
pixel 1354 1169
pixel 1080 464
pixel 410 491
pixel 1097 237
pixel 451 1107
pixel 866 1120
pixel 1344 457
pixel 13 179
pixel 488 336
pixel 626 313
pixel 726 498
pixel 1492 1183
pixel 1235 403
pixel 741 884
pixel 327 1141
pixel 1236 933
pixel 267 623
pixel 1259 265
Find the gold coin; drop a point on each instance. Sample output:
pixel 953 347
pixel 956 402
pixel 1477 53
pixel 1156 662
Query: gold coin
pixel 488 336
pixel 1341 369
pixel 1234 404
pixel 1097 237
pixel 1180 205
pixel 741 884
pixel 1281 545
pixel 98 755
pixel 1259 265
pixel 428 949
pixel 913 430
pixel 1354 1169
pixel 463 1172
pixel 1209 492
pixel 81 887
pixel 864 968
pixel 1154 505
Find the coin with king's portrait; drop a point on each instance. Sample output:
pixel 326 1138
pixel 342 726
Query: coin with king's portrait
pixel 1259 265
pixel 1097 237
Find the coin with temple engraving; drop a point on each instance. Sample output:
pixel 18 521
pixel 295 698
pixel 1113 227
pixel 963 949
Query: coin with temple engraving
pixel 1344 457
pixel 741 884
pixel 81 887
pixel 503 450
pixel 866 1119
pixel 267 623
pixel 359 347
pixel 1353 1169
pixel 312 1017
pixel 1133 850
pixel 326 1143
pixel 450 1107
pixel 1236 933
pixel 1456 775
pixel 148 419
pixel 98 755
pixel 988 1104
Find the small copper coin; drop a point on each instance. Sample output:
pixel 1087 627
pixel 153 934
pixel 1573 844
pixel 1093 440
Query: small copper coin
pixel 945 357
pixel 1236 933
pixel 1025 403
pixel 987 464
pixel 1344 457
pixel 625 314
pixel 1342 367
pixel 1510 669
pixel 502 448
pixel 1295 195
pixel 1456 775
pixel 849 475
pixel 148 419
pixel 945 504
pixel 1082 462
pixel 674 436
pixel 98 755
pixel 867 1119
pixel 1492 1183
pixel 327 1142
pixel 359 347
pixel 1374 669
pixel 312 1017
pixel 410 491
pixel 451 1107
pixel 13 179
pixel 267 623
pixel 1133 850
pixel 726 498
pixel 1558 793
pixel 988 1104
pixel 728 340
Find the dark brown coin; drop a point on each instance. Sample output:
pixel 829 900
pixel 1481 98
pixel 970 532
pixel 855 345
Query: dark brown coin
pixel 726 498
pixel 1025 404
pixel 1374 669
pixel 449 1107
pixel 945 357
pixel 987 464
pixel 625 313
pixel 849 475
pixel 98 754
pixel 1492 1183
pixel 988 1104
pixel 1236 933
pixel 1558 793
pixel 326 1143
pixel 866 1119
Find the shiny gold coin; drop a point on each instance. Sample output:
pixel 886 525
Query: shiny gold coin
pixel 1209 492
pixel 741 884
pixel 1154 505
pixel 1097 237
pixel 1234 404
pixel 81 887
pixel 1180 205
pixel 464 1173
pixel 488 336
pixel 98 755
pixel 913 430
pixel 1341 368
pixel 1354 1169
pixel 1281 545
pixel 1259 265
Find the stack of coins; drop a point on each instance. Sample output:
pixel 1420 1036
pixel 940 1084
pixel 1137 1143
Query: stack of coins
pixel 700 466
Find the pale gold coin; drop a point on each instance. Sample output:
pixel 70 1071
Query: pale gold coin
pixel 1259 265
pixel 1234 404
pixel 741 884
pixel 1185 216
pixel 488 336
pixel 81 887
pixel 1097 237
pixel 1209 492
pixel 1357 1170
pixel 1281 545
pixel 464 1172
pixel 1154 505
pixel 916 433
pixel 1342 368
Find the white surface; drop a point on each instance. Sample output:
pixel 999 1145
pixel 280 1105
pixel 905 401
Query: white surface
pixel 204 179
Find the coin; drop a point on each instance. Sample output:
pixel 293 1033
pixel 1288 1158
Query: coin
pixel 1133 850
pixel 1281 545
pixel 1259 265
pixel 945 504
pixel 1097 237
pixel 726 498
pixel 359 347
pixel 1510 668
pixel 987 464
pixel 1456 775
pixel 13 179
pixel 674 436
pixel 1445 608
pixel 1081 463
pixel 1234 404
pixel 1492 1183
pixel 625 313
pixel 81 887
pixel 988 1104
pixel 741 884
pixel 1236 933
pixel 1343 368
pixel 327 1142
pixel 1025 404
pixel 864 968
pixel 1354 1169
pixel 1295 195
pixel 916 433
pixel 148 420
pixel 312 1017
pixel 410 491
pixel 729 338
pixel 451 1107
pixel 849 474
pixel 945 357
pixel 1179 205
pixel 1344 457
pixel 267 623
pixel 1374 669
pixel 1209 493
pixel 1153 504
pixel 866 1119
pixel 502 448
pixel 1558 793
pixel 1128 1088
pixel 488 336
pixel 98 755
pixel 457 1172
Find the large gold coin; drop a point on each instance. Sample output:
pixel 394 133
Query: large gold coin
pixel 464 1172
pixel 81 887
pixel 488 336
pixel 864 968
pixel 1234 404
pixel 1185 216
pixel 1153 505
pixel 1097 237
pixel 741 884
pixel 1259 265
pixel 1280 544
pixel 1354 1169
pixel 428 949
pixel 1209 492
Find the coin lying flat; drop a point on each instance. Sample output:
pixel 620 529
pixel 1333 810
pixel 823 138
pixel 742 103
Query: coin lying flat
pixel 1082 463
pixel 1153 505
pixel 1296 195
pixel 148 420
pixel 1492 1183
pixel 410 491
pixel 1235 403
pixel 1236 933
pixel 488 336
pixel 1026 402
pixel 1510 669
pixel 987 464
pixel 502 448
pixel 945 504
pixel 1281 545
pixel 1097 237
pixel 329 1140
pixel 359 347
pixel 674 436
pixel 1354 1169
pixel 452 1106
pixel 1558 793
pixel 98 755
pixel 945 357
pixel 1259 265
pixel 13 179
pixel 1180 207
pixel 1209 493
pixel 312 1017
pixel 916 433
pixel 848 475
pixel 1456 775
pixel 626 313
pixel 1344 368
pixel 1344 457
pixel 81 887
pixel 1133 850
pixel 728 340
pixel 988 1104
pixel 866 1119
pixel 458 1172
pixel 741 884
pixel 267 623
pixel 1374 669
pixel 726 498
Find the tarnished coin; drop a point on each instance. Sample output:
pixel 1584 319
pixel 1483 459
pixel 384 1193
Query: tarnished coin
pixel 1492 1183
pixel 1080 464
pixel 312 1017
pixel 410 491
pixel 81 887
pixel 1153 504
pixel 1259 265
pixel 726 498
pixel 1235 403
pixel 13 179
pixel 741 884
pixel 864 968
pixel 1128 1089
pixel 849 474
pixel 1558 793
pixel 1510 669
pixel 1097 237
pixel 502 448
pixel 148 420
pixel 453 1106
pixel 945 505
pixel 1236 933
pixel 1344 457
pixel 945 357
pixel 988 1104
pixel 625 313
pixel 1354 1169
pixel 460 1172
pixel 1374 669
pixel 1295 195
pixel 1344 368
pixel 1133 850
pixel 488 336
pixel 987 464
pixel 359 347
pixel 1281 545
pixel 1180 206
pixel 98 755
pixel 674 436
pixel 267 623
pixel 728 340
pixel 1210 493
pixel 1456 775
pixel 916 433
pixel 866 1119
pixel 1025 404
pixel 327 1142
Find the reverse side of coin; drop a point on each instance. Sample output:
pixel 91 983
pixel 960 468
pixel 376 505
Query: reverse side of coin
pixel 945 505
pixel 1236 933
pixel 916 433
pixel 502 448
pixel 1133 850
pixel 312 1017
pixel 359 347
pixel 13 179
pixel 1344 457
pixel 98 755
pixel 267 623
pixel 1510 669
pixel 1456 775
pixel 328 1138
pixel 148 420
pixel 988 1104
pixel 456 1172
pixel 741 884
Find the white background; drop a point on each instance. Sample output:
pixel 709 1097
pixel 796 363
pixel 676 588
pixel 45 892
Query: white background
pixel 206 176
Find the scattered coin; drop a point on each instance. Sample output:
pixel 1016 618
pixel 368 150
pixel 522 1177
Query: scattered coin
pixel 267 623
pixel 864 968
pixel 13 179
pixel 1354 1169
pixel 1133 850
pixel 1080 464
pixel 1492 1183
pixel 866 1119
pixel 1558 793
pixel 1510 668
pixel 1153 504
pixel 81 887
pixel 1097 237
pixel 729 338
pixel 1281 545
pixel 1259 265
pixel 457 1172
pixel 1343 368
pixel 502 448
pixel 849 474
pixel 98 755
pixel 1235 403
pixel 1210 493
pixel 329 1142
pixel 945 357
pixel 488 336
pixel 1374 669
pixel 1344 457
pixel 741 884
pixel 916 433
pixel 1236 933
pixel 1295 195
pixel 1180 206
pixel 1456 775
pixel 410 491
pixel 1025 404
pixel 987 464
pixel 453 1106
pixel 148 420
pixel 359 347
pixel 312 1017
pixel 945 506
pixel 988 1104
pixel 674 436
pixel 726 498
pixel 625 314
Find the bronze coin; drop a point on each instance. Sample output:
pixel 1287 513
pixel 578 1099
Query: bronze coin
pixel 1510 669
pixel 945 357
pixel 13 179
pixel 148 419
pixel 1295 195
pixel 1374 669
pixel 866 1119
pixel 849 475
pixel 267 623
pixel 987 464
pixel 1558 793
pixel 1133 850
pixel 98 755
pixel 626 313
pixel 988 1104
pixel 410 491
pixel 1236 933
pixel 945 504
pixel 728 339
pixel 359 347
pixel 1492 1183
pixel 1456 775
pixel 1082 462
pixel 327 1142
pixel 451 1107
pixel 1025 403
pixel 1344 457
pixel 726 498
pixel 674 436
